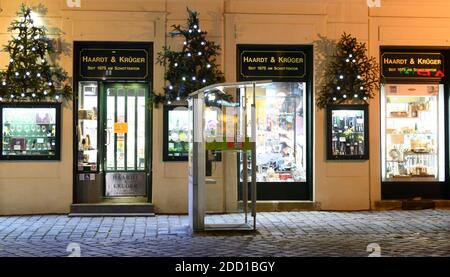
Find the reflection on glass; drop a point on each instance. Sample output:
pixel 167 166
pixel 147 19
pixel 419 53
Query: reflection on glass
pixel 87 126
pixel 29 131
pixel 110 136
pixel 141 129
pixel 413 117
pixel 347 133
pixel 280 132
pixel 178 144
pixel 131 119
pixel 125 128
pixel 120 137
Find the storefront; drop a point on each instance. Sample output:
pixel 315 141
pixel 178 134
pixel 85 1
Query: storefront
pixel 112 124
pixel 414 122
pixel 107 147
pixel 284 118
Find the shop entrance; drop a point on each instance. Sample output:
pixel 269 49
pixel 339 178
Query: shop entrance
pixel 125 128
pixel 112 128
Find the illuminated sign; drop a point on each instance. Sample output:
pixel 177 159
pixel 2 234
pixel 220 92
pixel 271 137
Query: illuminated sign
pixel 412 65
pixel 113 63
pixel 275 62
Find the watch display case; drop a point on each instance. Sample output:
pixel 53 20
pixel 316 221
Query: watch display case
pixel 413 133
pixel 176 125
pixel 30 131
pixel 347 130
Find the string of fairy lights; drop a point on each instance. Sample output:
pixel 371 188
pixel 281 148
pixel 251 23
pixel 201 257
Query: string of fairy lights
pixel 341 83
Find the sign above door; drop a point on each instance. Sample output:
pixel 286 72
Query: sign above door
pixel 114 60
pixel 412 65
pixel 275 62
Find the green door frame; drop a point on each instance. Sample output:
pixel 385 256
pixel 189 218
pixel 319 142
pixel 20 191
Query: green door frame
pixel 148 139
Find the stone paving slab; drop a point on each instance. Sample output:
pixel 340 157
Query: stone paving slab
pixel 312 233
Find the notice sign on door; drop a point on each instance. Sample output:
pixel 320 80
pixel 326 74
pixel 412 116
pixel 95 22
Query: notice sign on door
pixel 120 127
pixel 125 184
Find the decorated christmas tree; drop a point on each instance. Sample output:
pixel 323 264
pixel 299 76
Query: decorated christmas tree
pixel 192 68
pixel 351 76
pixel 29 76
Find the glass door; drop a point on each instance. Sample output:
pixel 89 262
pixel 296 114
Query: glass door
pixel 125 130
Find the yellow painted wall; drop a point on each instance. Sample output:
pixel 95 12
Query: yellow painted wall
pixel 46 187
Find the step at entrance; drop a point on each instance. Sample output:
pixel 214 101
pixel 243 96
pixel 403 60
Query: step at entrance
pixel 112 209
pixel 418 204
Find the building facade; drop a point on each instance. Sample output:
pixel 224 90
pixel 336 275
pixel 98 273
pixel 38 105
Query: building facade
pixel 386 26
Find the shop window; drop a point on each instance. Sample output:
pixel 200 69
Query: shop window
pixel 280 132
pixel 413 133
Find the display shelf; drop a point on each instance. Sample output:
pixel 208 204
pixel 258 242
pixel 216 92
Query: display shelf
pixel 399 117
pixel 25 136
pixel 411 179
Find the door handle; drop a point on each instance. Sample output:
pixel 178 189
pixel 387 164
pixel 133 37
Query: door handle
pixel 108 137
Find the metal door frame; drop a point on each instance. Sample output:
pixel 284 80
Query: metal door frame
pixel 103 86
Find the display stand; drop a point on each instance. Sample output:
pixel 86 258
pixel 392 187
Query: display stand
pixel 223 119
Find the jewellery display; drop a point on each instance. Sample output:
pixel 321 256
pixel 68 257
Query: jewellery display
pixel 176 143
pixel 347 132
pixel 29 131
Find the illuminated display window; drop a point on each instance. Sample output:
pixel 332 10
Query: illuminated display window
pixel 30 131
pixel 347 132
pixel 412 133
pixel 176 125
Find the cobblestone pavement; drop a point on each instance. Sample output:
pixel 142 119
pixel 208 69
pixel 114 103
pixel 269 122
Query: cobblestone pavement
pixel 398 233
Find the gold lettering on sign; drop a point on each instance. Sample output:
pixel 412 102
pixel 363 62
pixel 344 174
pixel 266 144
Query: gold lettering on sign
pixel 429 61
pixel 395 61
pixel 131 60
pixel 87 59
pixel 290 60
pixel 255 59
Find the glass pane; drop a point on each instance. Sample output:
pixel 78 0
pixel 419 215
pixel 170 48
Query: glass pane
pixel 29 131
pixel 87 126
pixel 131 119
pixel 178 136
pixel 413 114
pixel 280 133
pixel 120 137
pixel 347 133
pixel 141 128
pixel 110 136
